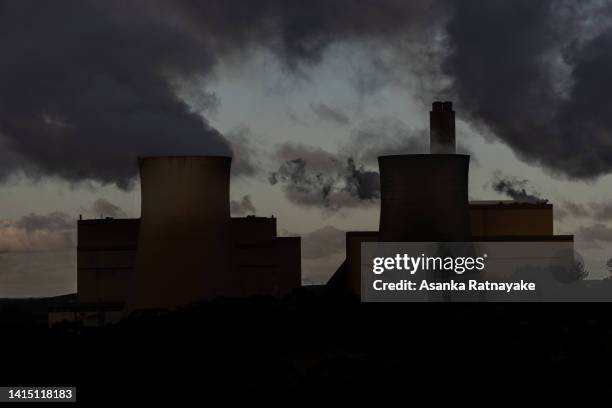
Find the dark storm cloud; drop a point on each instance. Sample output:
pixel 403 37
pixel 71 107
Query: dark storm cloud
pixel 533 73
pixel 329 114
pixel 242 206
pixel 519 190
pixel 537 74
pixel 87 87
pixel 299 32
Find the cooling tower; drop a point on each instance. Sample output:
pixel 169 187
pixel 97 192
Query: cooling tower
pixel 424 198
pixel 184 243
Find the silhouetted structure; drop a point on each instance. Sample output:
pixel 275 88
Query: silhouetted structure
pixel 184 249
pixel 442 128
pixel 106 255
pixel 264 263
pixel 184 246
pixel 424 198
pixel 188 249
pixel 511 219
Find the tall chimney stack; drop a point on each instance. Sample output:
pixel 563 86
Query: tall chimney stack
pixel 442 128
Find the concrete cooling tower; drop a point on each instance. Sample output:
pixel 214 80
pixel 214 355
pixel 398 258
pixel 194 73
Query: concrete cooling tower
pixel 184 246
pixel 424 198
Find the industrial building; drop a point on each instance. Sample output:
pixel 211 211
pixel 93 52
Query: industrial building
pixel 106 252
pixel 424 198
pixel 189 249
pixel 185 247
pixel 106 258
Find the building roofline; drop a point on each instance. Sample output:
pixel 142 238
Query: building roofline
pixel 525 238
pixel 106 220
pixel 507 205
pixel 476 238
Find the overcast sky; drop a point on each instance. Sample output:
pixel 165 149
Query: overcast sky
pixel 88 87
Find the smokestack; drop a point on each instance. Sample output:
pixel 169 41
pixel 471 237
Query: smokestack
pixel 424 198
pixel 442 128
pixel 184 242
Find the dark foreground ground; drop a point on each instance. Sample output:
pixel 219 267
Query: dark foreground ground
pixel 313 343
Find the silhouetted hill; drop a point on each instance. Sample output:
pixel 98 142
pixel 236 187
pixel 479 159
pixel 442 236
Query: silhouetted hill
pixel 311 342
pixel 29 311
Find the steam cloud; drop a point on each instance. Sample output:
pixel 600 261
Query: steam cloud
pixel 313 177
pixel 516 189
pixel 97 82
pixel 317 178
pixel 242 206
pixel 87 84
pixel 382 136
pixel 335 116
pixel 246 161
pixel 105 208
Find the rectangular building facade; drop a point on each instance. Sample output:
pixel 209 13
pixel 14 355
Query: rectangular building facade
pixel 106 254
pixel 264 263
pixel 490 221
pixel 508 218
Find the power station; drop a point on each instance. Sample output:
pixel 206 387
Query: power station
pixel 424 198
pixel 186 248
